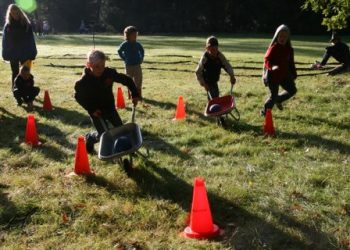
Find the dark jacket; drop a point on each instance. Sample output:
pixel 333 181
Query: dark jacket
pixel 340 51
pixel 18 43
pixel 24 86
pixel 96 93
pixel 283 57
pixel 209 68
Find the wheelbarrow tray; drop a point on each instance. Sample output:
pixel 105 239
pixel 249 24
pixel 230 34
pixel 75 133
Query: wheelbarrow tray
pixel 227 104
pixel 108 138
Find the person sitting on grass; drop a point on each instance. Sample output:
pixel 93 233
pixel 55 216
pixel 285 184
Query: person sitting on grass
pixel 23 88
pixel 94 92
pixel 279 69
pixel 132 53
pixel 209 69
pixel 339 51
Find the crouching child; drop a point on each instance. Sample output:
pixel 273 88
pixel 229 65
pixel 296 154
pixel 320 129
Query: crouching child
pixel 23 89
pixel 94 92
pixel 339 51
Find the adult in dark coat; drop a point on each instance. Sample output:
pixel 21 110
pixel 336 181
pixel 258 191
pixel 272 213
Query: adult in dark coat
pixel 340 52
pixel 18 43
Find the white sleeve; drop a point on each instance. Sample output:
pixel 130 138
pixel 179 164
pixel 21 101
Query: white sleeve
pixel 199 70
pixel 227 66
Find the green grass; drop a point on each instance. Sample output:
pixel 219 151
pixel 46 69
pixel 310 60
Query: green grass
pixel 287 192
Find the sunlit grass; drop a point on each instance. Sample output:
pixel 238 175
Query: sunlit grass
pixel 287 192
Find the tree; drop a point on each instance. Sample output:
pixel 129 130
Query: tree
pixel 335 13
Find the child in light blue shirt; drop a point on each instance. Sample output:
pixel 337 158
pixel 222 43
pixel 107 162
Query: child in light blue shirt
pixel 132 53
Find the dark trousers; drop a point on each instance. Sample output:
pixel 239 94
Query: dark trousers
pixel 101 124
pixel 289 91
pixel 27 95
pixel 15 69
pixel 332 51
pixel 213 90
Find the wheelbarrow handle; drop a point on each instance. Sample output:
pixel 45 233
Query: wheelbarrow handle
pixel 133 113
pixel 231 92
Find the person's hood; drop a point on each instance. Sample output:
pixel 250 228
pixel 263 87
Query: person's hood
pixel 281 28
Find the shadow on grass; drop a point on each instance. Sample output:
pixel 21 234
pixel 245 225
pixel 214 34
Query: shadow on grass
pixel 12 132
pixel 317 141
pixel 320 121
pixel 158 144
pixel 10 214
pixel 70 117
pixel 253 231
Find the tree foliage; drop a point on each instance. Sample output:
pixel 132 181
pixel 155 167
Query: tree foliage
pixel 176 16
pixel 335 13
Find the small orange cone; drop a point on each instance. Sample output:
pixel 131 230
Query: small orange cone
pixel 180 109
pixel 81 164
pixel 269 129
pixel 47 102
pixel 120 99
pixel 31 136
pixel 201 221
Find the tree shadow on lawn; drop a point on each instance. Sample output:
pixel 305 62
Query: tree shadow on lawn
pixel 158 144
pixel 249 230
pixel 70 117
pixel 317 141
pixel 10 214
pixel 319 121
pixel 12 132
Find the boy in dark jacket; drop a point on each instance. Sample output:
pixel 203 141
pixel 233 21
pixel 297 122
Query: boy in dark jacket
pixel 94 92
pixel 209 69
pixel 23 88
pixel 339 51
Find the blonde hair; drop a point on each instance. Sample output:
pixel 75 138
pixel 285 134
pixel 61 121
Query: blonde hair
pixel 128 31
pixel 22 16
pixel 96 55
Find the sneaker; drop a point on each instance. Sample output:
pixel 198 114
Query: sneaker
pixel 30 106
pixel 263 112
pixel 316 65
pixel 19 102
pixel 279 105
pixel 90 142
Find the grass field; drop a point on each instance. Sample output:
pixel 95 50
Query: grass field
pixel 287 192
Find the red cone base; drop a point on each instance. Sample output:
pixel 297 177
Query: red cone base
pixel 188 233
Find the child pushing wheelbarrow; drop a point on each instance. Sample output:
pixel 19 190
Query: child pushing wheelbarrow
pixel 208 75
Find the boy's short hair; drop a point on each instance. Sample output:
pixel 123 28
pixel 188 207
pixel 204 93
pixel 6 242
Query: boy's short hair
pixel 96 55
pixel 24 69
pixel 212 41
pixel 129 30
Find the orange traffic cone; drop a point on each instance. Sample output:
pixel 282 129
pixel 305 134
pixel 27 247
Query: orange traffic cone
pixel 81 165
pixel 31 136
pixel 47 102
pixel 180 109
pixel 120 99
pixel 201 222
pixel 269 129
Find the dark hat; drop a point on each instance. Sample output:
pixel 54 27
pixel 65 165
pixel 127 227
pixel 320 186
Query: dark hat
pixel 335 36
pixel 212 41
